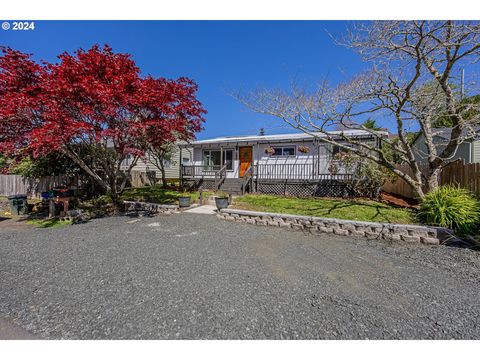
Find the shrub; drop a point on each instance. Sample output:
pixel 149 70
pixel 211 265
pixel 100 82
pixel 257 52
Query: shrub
pixel 453 207
pixel 368 177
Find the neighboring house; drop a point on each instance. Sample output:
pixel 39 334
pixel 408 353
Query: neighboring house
pixel 468 150
pixel 286 163
pixel 172 165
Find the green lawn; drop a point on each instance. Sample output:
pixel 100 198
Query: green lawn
pixel 48 223
pixel 158 195
pixel 361 210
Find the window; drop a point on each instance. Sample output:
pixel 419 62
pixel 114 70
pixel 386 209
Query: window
pixel 167 163
pixel 127 161
pixel 335 150
pixel 212 159
pixel 185 161
pixel 228 158
pixel 283 150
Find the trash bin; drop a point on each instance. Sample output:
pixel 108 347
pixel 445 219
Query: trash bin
pixel 18 204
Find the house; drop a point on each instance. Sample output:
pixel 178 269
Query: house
pixel 468 150
pixel 171 165
pixel 294 164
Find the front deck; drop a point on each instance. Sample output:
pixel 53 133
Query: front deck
pixel 280 179
pixel 262 171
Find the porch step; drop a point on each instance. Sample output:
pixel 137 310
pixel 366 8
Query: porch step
pixel 232 186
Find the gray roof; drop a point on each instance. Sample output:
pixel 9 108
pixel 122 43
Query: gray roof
pixel 468 134
pixel 285 137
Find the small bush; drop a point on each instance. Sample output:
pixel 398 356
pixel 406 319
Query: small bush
pixel 453 207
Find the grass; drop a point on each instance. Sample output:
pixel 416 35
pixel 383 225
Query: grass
pixel 453 207
pixel 157 194
pixel 360 210
pixel 48 223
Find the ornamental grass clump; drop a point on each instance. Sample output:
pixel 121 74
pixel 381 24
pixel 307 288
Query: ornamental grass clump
pixel 452 207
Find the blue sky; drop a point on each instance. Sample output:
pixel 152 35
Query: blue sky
pixel 219 55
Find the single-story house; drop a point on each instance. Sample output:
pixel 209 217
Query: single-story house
pixel 171 165
pixel 252 163
pixel 468 150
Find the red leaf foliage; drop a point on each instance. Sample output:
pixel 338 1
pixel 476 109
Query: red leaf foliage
pixel 91 96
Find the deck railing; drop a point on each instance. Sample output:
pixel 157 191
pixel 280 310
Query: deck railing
pixel 220 176
pixel 295 172
pixel 200 171
pixel 247 178
pixel 285 171
pixel 265 172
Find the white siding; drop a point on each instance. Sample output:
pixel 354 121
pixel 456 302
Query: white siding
pixel 316 158
pixel 172 171
pixel 463 151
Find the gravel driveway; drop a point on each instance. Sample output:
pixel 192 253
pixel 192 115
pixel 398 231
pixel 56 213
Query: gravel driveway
pixel 192 276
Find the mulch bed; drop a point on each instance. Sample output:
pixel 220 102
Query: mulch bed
pixel 397 200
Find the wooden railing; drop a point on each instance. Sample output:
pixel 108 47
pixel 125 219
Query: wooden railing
pixel 199 171
pixel 295 172
pixel 220 176
pixel 263 171
pixel 247 177
pixel 285 171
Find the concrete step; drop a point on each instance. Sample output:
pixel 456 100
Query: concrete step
pixel 231 187
pixel 233 181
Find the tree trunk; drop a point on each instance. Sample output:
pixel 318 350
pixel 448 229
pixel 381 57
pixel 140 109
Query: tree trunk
pixel 433 179
pixel 164 177
pixel 115 196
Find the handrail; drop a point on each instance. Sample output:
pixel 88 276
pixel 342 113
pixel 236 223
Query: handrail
pixel 247 175
pixel 218 176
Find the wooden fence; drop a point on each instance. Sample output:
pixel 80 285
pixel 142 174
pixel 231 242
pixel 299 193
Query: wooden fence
pixel 141 178
pixel 17 184
pixel 457 173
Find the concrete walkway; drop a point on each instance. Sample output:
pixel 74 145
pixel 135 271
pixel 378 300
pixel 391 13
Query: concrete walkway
pixel 204 209
pixel 11 331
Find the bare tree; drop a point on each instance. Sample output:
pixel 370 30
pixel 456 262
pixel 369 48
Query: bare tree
pixel 160 154
pixel 411 81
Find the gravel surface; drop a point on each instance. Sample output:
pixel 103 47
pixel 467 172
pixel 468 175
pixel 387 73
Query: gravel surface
pixel 192 276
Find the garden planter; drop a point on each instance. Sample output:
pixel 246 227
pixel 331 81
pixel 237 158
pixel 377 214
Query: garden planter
pixel 221 202
pixel 184 201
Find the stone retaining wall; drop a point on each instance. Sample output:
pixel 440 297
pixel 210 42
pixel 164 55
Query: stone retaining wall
pixel 409 233
pixel 151 208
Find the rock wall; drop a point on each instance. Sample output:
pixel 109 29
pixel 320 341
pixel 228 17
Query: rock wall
pixel 408 233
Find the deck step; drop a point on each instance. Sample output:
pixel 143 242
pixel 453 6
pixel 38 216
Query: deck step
pixel 232 186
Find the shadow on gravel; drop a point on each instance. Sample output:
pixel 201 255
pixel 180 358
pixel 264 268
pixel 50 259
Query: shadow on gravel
pixel 460 244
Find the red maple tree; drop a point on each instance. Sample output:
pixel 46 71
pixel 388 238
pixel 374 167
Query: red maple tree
pixel 94 107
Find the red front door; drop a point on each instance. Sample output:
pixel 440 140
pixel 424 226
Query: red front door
pixel 245 157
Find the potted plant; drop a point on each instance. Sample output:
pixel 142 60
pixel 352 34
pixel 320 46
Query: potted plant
pixel 303 149
pixel 184 200
pixel 269 150
pixel 221 201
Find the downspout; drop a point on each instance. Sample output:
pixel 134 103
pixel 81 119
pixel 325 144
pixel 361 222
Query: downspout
pixel 470 153
pixel 180 168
